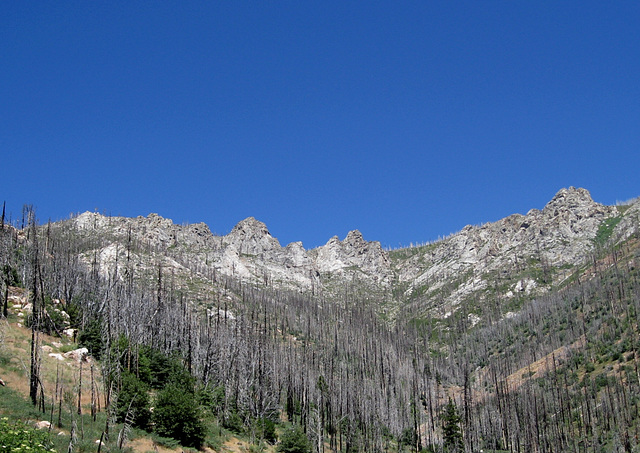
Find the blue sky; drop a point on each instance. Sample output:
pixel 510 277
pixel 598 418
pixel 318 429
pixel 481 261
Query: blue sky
pixel 405 120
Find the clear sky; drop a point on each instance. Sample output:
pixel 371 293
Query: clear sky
pixel 405 120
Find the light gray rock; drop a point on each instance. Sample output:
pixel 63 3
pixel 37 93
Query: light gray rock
pixel 44 424
pixel 354 252
pixel 465 265
pixel 251 237
pixel 561 233
pixel 77 354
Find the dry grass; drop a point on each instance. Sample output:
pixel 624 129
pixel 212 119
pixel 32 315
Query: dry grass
pixel 541 367
pixel 146 444
pixel 15 347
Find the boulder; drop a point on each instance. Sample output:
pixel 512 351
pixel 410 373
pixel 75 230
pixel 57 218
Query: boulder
pixel 77 354
pixel 70 333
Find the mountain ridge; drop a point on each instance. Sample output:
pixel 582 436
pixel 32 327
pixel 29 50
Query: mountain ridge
pixel 517 255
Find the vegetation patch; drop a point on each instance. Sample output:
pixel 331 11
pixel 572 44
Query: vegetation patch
pixel 17 437
pixel 606 229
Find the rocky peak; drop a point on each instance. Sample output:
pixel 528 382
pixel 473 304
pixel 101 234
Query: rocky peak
pixel 296 256
pixel 355 240
pixel 354 251
pixel 88 220
pixel 512 250
pixel 250 228
pixel 155 229
pixel 570 199
pixel 545 241
pixel 199 229
pixel 250 236
pixel 572 214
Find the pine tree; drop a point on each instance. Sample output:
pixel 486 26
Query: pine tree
pixel 176 415
pixel 451 433
pixel 294 440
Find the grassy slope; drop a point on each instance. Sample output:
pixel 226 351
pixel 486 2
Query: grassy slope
pixel 15 343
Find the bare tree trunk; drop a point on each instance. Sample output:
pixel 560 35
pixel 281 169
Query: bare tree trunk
pixel 34 376
pixel 5 307
pixel 80 391
pixel 93 395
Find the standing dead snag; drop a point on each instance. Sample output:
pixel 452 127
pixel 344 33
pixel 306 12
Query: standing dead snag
pixel 80 390
pixel 34 375
pixel 93 396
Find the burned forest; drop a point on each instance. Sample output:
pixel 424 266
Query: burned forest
pixel 519 336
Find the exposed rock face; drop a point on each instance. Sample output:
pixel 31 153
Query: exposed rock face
pixel 354 251
pixel 249 252
pixel 561 234
pixel 527 253
pixel 153 230
pixel 251 237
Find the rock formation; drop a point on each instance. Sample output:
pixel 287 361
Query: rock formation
pixel 520 254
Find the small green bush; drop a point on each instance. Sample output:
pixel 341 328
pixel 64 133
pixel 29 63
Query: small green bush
pixel 157 368
pixel 211 398
pixel 294 440
pixel 601 381
pixel 168 442
pixel 68 347
pixel 233 422
pixel 176 414
pixel 91 337
pixel 74 311
pixel 266 429
pixel 17 437
pixel 133 397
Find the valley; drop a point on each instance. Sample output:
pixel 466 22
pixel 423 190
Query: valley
pixel 516 335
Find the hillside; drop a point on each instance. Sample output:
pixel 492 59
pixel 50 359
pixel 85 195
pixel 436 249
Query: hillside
pixel 527 324
pixel 527 254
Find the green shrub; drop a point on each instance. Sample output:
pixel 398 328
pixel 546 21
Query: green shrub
pixel 212 399
pixel 157 368
pixel 176 414
pixel 168 442
pixel 409 437
pixel 91 337
pixel 601 381
pixel 266 429
pixel 19 438
pixel 233 422
pixel 74 311
pixel 68 347
pixel 133 397
pixel 294 440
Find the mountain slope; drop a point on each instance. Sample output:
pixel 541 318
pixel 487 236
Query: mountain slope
pixel 521 255
pixel 528 324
